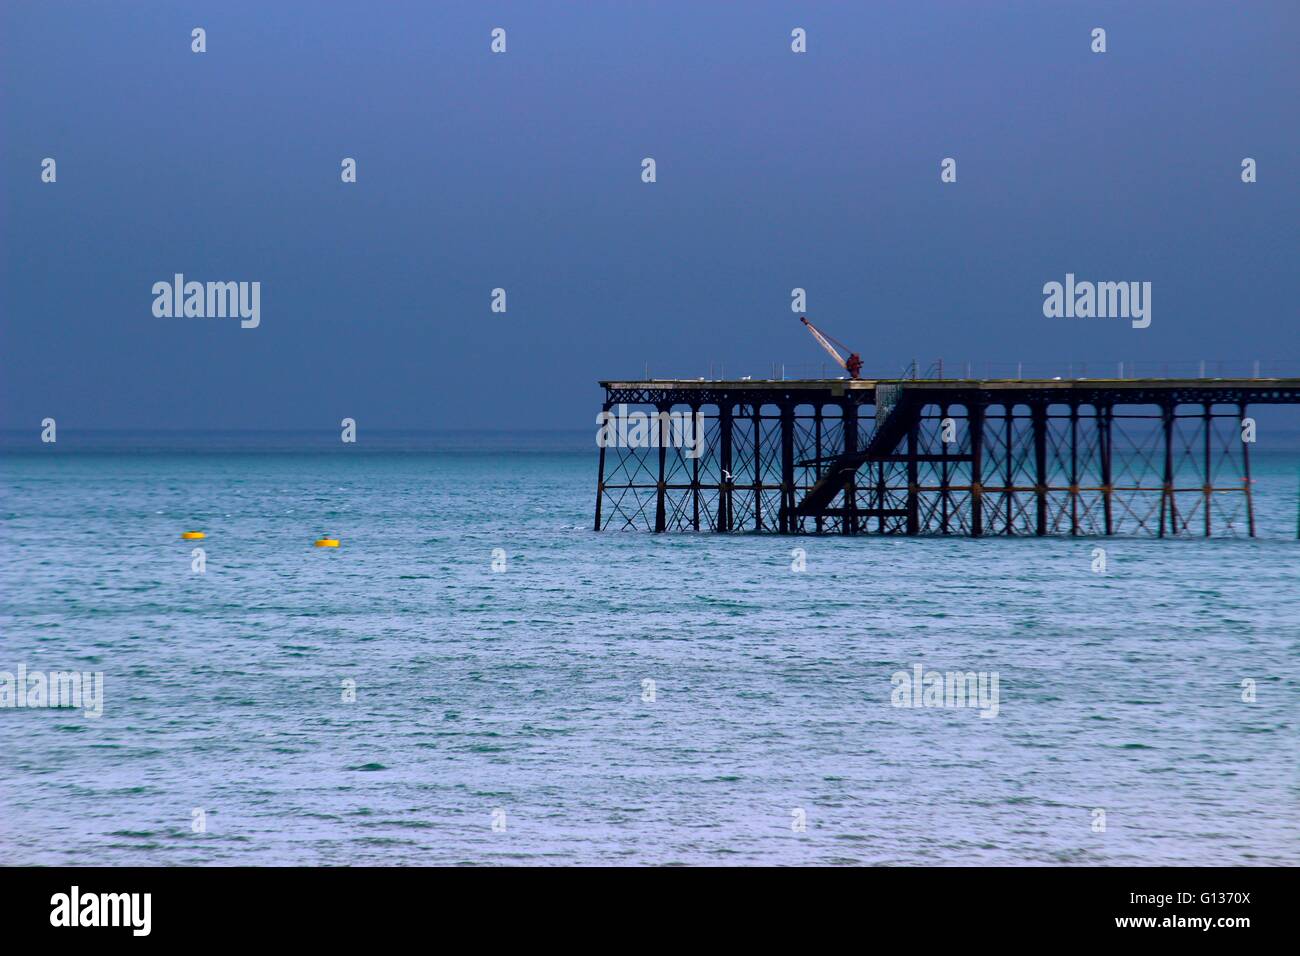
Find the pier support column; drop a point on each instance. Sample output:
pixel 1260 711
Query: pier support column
pixel 945 480
pixel 661 428
pixel 786 518
pixel 1208 487
pixel 725 477
pixel 976 412
pixel 758 466
pixel 1009 469
pixel 1167 505
pixel 1039 413
pixel 1245 466
pixel 849 522
pixel 1074 468
pixel 697 434
pixel 600 469
pixel 913 479
pixel 817 452
pixel 1105 417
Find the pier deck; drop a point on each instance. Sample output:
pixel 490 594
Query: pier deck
pixel 928 456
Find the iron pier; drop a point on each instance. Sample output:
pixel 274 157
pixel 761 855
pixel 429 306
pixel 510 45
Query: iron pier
pixel 920 456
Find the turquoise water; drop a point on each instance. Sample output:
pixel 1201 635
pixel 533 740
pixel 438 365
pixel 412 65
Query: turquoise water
pixel 522 691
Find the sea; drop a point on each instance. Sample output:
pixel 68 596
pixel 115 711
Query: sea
pixel 474 676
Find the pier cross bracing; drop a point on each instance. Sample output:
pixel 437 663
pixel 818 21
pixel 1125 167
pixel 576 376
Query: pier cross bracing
pixel 1159 457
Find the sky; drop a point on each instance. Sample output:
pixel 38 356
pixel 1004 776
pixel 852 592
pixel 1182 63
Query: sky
pixel 522 170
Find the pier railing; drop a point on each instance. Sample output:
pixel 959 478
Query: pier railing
pixel 945 370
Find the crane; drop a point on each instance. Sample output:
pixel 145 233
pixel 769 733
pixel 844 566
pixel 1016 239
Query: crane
pixel 852 365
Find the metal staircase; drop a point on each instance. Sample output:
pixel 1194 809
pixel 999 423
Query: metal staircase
pixel 895 413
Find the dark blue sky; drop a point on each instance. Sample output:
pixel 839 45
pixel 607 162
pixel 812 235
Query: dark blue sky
pixel 522 170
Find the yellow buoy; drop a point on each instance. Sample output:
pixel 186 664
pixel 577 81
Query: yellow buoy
pixel 327 543
pixel 192 535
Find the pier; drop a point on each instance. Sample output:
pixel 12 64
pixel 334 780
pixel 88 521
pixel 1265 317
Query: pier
pixel 1160 457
